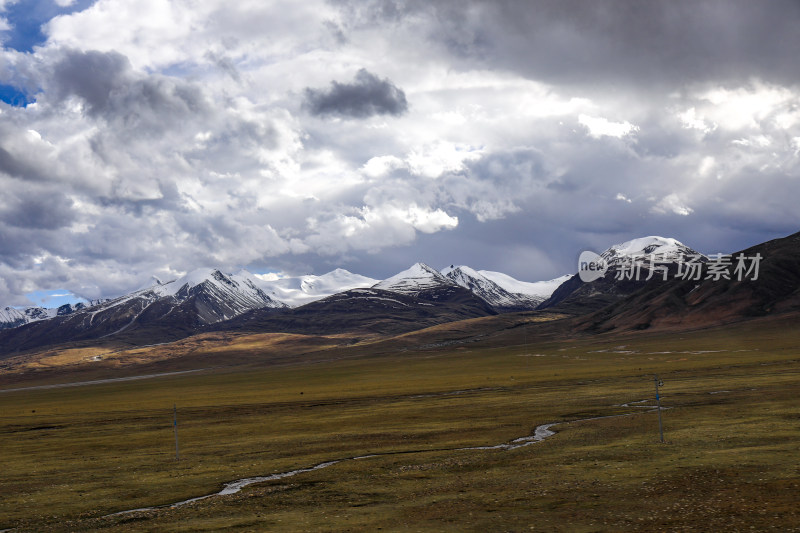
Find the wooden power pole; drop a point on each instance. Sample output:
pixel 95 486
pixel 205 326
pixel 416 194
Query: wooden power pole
pixel 175 426
pixel 658 383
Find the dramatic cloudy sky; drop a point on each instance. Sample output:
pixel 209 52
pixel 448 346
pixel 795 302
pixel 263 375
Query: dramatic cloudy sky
pixel 151 137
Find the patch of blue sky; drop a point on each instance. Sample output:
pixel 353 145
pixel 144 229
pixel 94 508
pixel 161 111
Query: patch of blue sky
pixel 26 18
pixel 15 97
pixel 53 298
pixel 178 70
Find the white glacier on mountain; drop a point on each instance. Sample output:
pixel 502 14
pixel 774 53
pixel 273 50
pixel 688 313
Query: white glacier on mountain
pixel 664 248
pixel 537 289
pixel 300 290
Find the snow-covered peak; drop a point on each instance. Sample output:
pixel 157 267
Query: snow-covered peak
pixel 483 287
pixel 189 280
pixel 538 289
pixel 300 290
pixel 664 248
pixel 240 291
pixel 467 271
pixel 462 275
pixel 414 280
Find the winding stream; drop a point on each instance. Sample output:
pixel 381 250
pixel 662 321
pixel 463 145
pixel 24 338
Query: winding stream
pixel 541 433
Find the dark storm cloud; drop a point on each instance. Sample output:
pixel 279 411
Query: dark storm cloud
pixel 366 96
pixel 18 244
pixel 36 209
pixel 18 167
pixel 616 42
pixel 110 88
pixel 674 41
pixel 93 76
pixel 492 186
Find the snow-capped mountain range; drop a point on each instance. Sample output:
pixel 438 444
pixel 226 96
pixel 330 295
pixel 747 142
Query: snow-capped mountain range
pixel 11 317
pixel 207 296
pixel 213 296
pixel 421 277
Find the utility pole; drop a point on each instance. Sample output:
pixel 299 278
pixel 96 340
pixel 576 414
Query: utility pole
pixel 175 426
pixel 659 383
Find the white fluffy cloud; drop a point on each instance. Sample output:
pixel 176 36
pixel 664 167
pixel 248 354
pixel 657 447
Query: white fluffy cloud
pixel 599 127
pixel 672 203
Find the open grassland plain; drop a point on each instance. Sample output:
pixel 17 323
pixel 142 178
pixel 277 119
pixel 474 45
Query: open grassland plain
pixel 85 362
pixel 72 456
